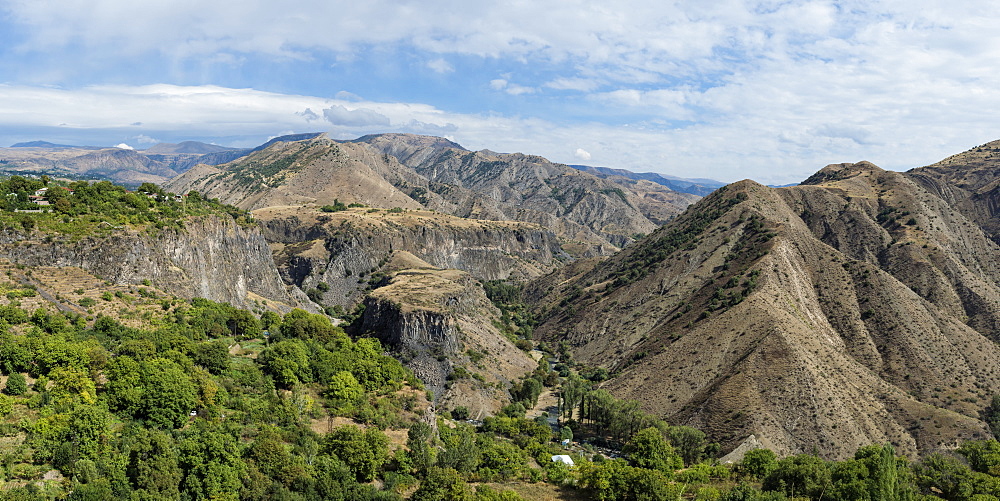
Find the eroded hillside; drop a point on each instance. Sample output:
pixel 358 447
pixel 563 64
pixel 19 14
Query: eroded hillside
pixel 591 216
pixel 856 309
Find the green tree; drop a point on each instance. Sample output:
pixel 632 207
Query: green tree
pixel 242 323
pixel 983 455
pixel 6 405
pixel 90 431
pixel 271 456
pixel 443 484
pixel 270 321
pixel 419 441
pixel 287 362
pixel 301 324
pixel 884 471
pixel 573 390
pixel 690 443
pixel 461 451
pixel 615 480
pixel 502 458
pixel 152 463
pixel 124 389
pixel 801 475
pixel 168 396
pixel 649 449
pixel 460 413
pixel 946 477
pixel 364 452
pixel 213 356
pixel 850 481
pixel 345 390
pixel 211 463
pixel 527 392
pixel 757 463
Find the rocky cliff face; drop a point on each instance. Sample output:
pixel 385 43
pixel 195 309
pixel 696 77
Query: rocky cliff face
pixel 346 249
pixel 211 257
pixel 856 309
pixel 440 323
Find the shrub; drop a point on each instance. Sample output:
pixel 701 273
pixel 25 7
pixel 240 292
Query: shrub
pixel 16 384
pixel 460 413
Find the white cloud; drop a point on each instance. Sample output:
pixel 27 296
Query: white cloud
pixel 123 146
pixel 358 117
pixel 510 88
pixel 308 114
pixel 577 84
pixel 439 65
pixel 729 89
pixel 762 136
pixel 582 154
pixel 144 139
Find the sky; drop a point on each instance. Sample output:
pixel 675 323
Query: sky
pixel 722 89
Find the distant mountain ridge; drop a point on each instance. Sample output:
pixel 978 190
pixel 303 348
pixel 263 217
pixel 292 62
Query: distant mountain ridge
pixel 46 144
pixel 186 147
pixel 156 164
pixel 124 166
pixel 699 186
pixel 592 215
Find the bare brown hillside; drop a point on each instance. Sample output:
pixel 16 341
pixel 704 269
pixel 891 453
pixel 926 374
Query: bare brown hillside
pixel 531 188
pixel 591 216
pixel 969 181
pixel 855 309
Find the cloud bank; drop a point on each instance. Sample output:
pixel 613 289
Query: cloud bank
pixel 730 89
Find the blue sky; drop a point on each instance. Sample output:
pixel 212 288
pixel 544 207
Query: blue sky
pixel 768 90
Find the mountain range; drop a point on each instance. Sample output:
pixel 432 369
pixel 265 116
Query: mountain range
pixel 860 306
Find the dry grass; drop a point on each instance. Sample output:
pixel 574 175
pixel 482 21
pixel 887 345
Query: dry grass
pixel 540 491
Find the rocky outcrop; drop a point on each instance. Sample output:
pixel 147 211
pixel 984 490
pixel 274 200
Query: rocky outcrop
pixel 212 257
pixel 440 323
pixel 346 249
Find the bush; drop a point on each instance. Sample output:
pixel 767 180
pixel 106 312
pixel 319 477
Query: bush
pixel 336 207
pixel 6 405
pixel 460 413
pixel 16 384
